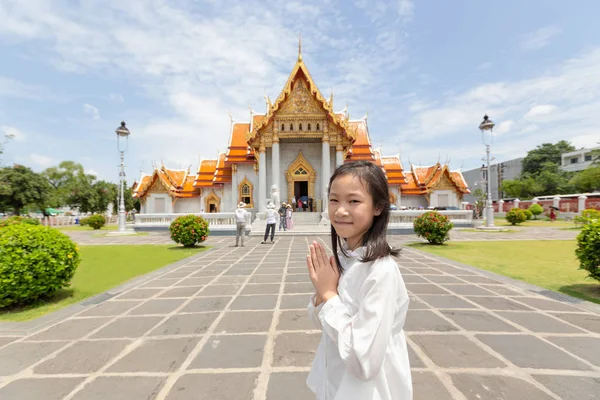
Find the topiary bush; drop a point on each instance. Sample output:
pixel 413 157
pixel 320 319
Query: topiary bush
pixel 433 227
pixel 96 221
pixel 528 214
pixel 588 249
pixel 35 261
pixel 18 219
pixel 189 230
pixel 516 216
pixel 83 221
pixel 588 216
pixel 536 210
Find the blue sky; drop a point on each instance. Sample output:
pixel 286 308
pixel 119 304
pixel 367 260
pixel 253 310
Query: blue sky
pixel 425 71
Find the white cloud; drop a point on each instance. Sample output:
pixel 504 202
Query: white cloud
pixel 12 88
pixel 40 160
pixel 504 127
pixel 542 109
pixel 92 111
pixel 540 38
pixel 406 8
pixel 116 97
pixel 11 132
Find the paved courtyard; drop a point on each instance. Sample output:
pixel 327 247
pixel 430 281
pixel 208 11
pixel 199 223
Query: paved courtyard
pixel 231 324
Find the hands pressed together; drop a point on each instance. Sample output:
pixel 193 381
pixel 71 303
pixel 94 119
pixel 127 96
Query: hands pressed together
pixel 323 273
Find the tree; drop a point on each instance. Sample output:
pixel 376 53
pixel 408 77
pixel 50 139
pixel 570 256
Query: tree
pixel 587 180
pixel 553 180
pixel 536 210
pixel 22 187
pixel 522 188
pixel 64 179
pixel 533 163
pixel 480 197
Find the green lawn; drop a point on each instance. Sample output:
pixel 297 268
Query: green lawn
pixel 111 227
pixel 550 264
pixel 102 268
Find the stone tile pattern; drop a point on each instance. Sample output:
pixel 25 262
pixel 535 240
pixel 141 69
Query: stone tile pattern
pixel 231 324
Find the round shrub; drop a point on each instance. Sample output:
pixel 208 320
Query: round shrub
pixel 83 221
pixel 588 249
pixel 18 219
pixel 528 214
pixel 588 216
pixel 189 230
pixel 536 210
pixel 516 216
pixel 433 227
pixel 96 221
pixel 35 261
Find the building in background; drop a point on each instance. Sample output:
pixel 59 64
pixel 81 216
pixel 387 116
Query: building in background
pixel 577 160
pixel 506 170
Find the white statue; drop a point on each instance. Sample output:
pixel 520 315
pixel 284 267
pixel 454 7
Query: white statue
pixel 275 195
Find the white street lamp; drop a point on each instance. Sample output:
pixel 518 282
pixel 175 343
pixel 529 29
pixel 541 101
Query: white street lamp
pixel 122 141
pixel 486 127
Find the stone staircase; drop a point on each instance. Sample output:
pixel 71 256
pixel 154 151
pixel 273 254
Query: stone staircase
pixel 304 223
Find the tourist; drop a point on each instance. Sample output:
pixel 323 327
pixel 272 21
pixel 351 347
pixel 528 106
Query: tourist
pixel 241 216
pixel 282 221
pixel 288 217
pixel 299 205
pixel 294 203
pixel 310 204
pixel 363 352
pixel 552 214
pixel 271 222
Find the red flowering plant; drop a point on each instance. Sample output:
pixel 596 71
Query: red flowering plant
pixel 433 227
pixel 189 230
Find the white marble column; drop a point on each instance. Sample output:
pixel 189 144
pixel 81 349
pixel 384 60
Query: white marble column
pixel 326 168
pixel 234 187
pixel 339 155
pixel 262 179
pixel 275 161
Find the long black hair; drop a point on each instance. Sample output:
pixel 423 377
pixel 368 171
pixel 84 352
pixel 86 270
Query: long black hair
pixel 376 184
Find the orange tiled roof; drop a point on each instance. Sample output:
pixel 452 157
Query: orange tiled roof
pixel 458 177
pixel 140 187
pixel 223 171
pixel 361 148
pixel 206 173
pixel 238 150
pixel 421 180
pixel 393 169
pixel 175 182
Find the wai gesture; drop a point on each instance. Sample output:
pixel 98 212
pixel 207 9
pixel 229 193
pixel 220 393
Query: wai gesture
pixel 323 272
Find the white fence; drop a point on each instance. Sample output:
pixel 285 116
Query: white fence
pixel 216 221
pixel 69 221
pixel 406 218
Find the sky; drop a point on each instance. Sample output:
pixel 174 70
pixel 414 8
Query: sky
pixel 425 72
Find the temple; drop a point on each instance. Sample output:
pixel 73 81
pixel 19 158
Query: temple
pixel 295 145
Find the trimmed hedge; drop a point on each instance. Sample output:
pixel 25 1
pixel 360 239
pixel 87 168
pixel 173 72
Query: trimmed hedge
pixel 189 230
pixel 18 219
pixel 95 221
pixel 588 249
pixel 536 210
pixel 433 227
pixel 35 261
pixel 516 216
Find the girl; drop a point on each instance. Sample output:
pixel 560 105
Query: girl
pixel 360 302
pixel 288 216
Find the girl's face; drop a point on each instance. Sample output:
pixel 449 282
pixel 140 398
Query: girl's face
pixel 351 209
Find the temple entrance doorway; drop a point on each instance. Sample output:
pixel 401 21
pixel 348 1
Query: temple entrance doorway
pixel 301 182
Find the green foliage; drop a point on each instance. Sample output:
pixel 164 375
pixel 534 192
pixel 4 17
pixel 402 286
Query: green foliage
pixel 35 261
pixel 22 187
pixel 528 214
pixel 480 197
pixel 516 216
pixel 588 249
pixel 522 188
pixel 534 162
pixel 189 230
pixel 83 221
pixel 588 216
pixel 95 221
pixel 433 227
pixel 536 210
pixel 18 219
pixel 587 180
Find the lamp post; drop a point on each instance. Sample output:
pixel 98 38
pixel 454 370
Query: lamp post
pixel 122 141
pixel 488 125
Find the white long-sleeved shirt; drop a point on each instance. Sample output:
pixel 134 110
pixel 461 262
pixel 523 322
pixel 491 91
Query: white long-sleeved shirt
pixel 241 215
pixel 363 353
pixel 272 216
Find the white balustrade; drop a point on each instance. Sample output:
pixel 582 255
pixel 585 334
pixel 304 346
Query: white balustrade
pixel 406 218
pixel 216 221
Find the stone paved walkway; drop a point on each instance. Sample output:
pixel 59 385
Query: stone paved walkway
pixel 231 324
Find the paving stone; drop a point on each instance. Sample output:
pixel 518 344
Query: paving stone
pixel 425 288
pixel 587 348
pixel 186 324
pixel 176 274
pixel 480 279
pixel 427 386
pixel 255 302
pixel 444 279
pixel 238 386
pixel 498 303
pixel 194 282
pixel 239 351
pixel 245 321
pixel 83 357
pixel 467 290
pixel 427 271
pixel 201 304
pixel 263 288
pixel 204 276
pixel 289 301
pixel 495 387
pixel 546 304
pixel 157 306
pixel 417 304
pixel 478 321
pixel 530 352
pixel 445 301
pixel 18 356
pixel 424 320
pixel 137 294
pixel 537 322
pixel 591 322
pixel 70 329
pixel 502 289
pixel 295 349
pixel 306 287
pixel 299 278
pixel 265 279
pixel 238 272
pixel 414 279
pixel 231 280
pixel 456 351
pixel 127 327
pixel 294 321
pixel 159 283
pixel 110 308
pixel 571 387
pixel 121 388
pixel 188 291
pixel 156 355
pixel 8 339
pixel 288 386
pixel 414 360
pixel 219 290
pixel 36 389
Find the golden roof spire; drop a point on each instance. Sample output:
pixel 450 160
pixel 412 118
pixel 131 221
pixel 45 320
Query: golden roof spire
pixel 299 47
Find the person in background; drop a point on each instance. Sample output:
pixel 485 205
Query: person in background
pixel 241 216
pixel 288 217
pixel 294 204
pixel 282 219
pixel 271 222
pixel 300 205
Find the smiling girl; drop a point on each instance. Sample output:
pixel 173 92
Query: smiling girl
pixel 360 300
